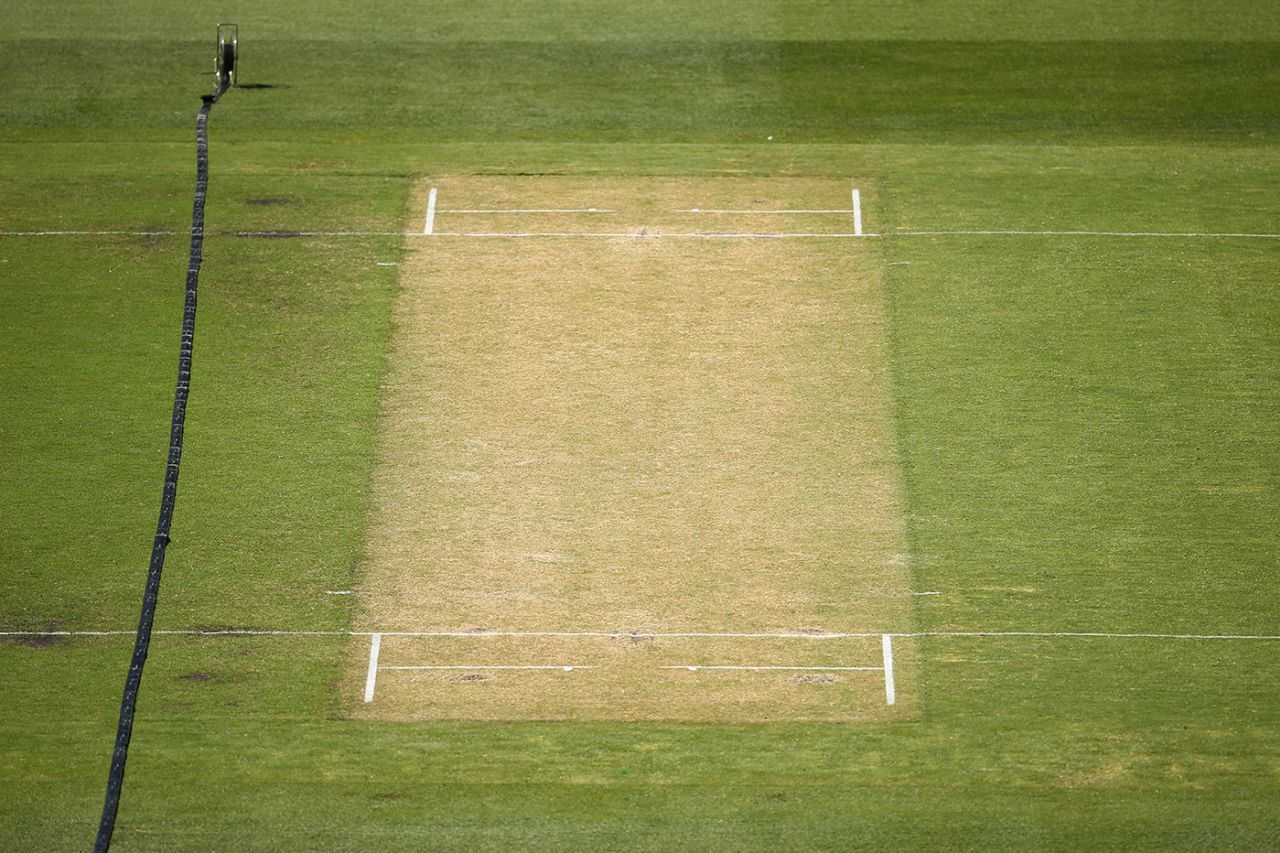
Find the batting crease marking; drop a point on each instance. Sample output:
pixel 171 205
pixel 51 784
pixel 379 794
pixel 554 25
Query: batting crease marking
pixel 570 668
pixel 696 667
pixel 890 693
pixel 371 678
pixel 430 225
pixel 841 211
pixel 495 210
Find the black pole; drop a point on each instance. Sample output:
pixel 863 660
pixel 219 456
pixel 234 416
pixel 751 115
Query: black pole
pixel 115 779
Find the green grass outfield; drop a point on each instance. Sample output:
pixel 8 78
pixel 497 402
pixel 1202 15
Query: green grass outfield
pixel 1089 426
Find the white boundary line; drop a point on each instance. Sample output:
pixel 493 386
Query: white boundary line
pixel 857 212
pixel 232 632
pixel 371 678
pixel 886 646
pixel 430 224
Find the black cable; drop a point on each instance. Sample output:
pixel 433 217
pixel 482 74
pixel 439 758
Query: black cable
pixel 115 779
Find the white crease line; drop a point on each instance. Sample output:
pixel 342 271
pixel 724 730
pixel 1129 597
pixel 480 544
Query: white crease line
pixel 643 635
pixel 640 235
pixel 371 678
pixel 890 693
pixel 697 667
pixel 619 635
pixel 430 223
pixel 499 211
pixel 463 666
pixel 746 212
pixel 718 211
pixel 290 234
pixel 857 212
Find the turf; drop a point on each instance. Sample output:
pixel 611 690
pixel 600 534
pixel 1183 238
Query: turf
pixel 1087 426
pixel 796 91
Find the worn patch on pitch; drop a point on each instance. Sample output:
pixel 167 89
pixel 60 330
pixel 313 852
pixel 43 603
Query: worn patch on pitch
pixel 636 434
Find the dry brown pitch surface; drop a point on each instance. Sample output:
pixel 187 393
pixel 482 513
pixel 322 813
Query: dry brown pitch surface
pixel 636 435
